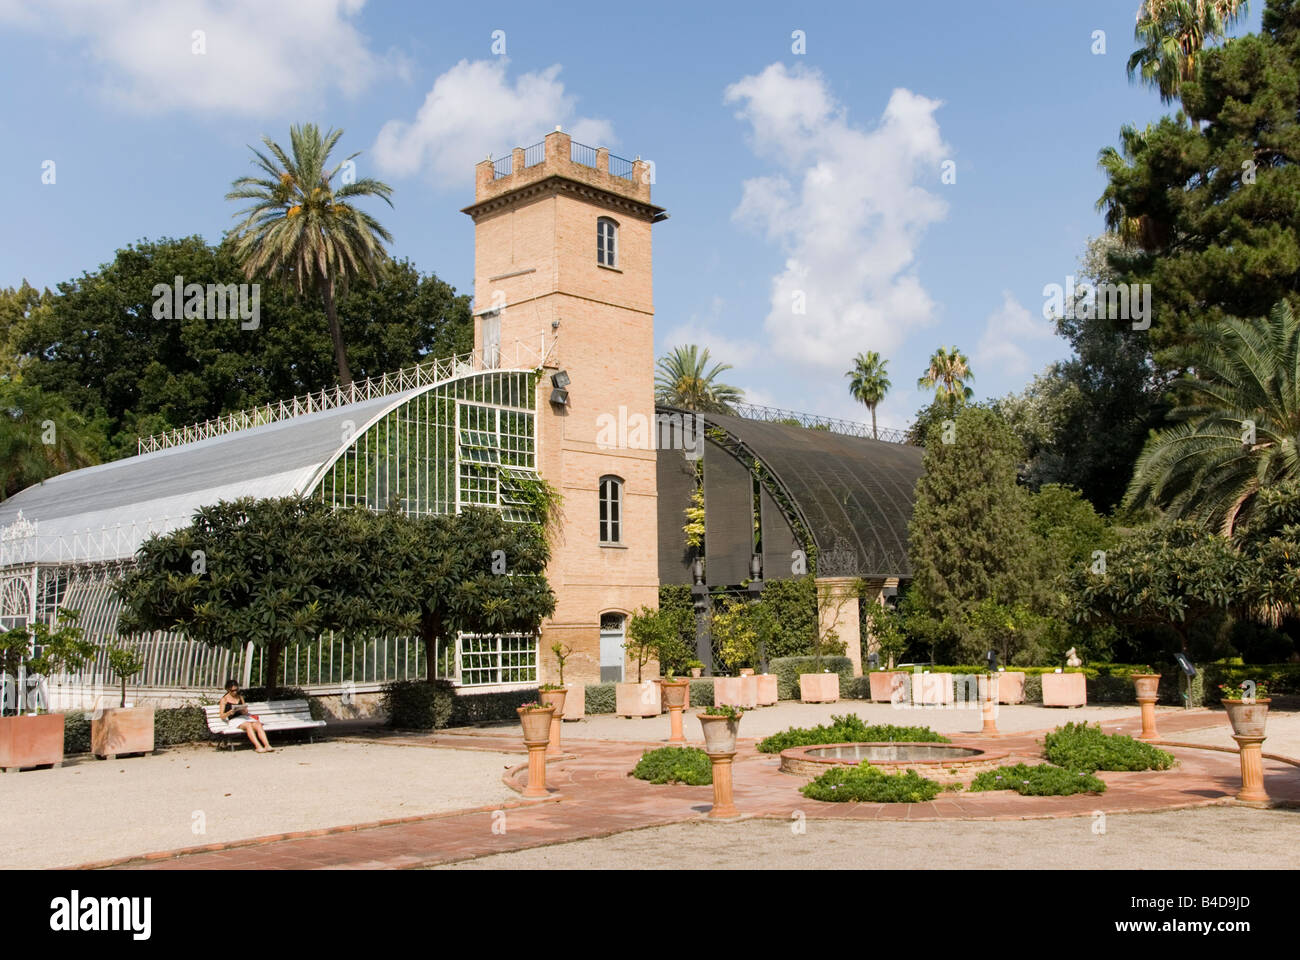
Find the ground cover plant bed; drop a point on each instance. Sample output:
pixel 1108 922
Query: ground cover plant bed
pixel 867 784
pixel 1078 746
pixel 1040 780
pixel 688 765
pixel 847 728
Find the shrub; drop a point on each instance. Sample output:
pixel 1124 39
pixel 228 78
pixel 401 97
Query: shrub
pixel 701 693
pixel 1042 780
pixel 1078 746
pixel 787 670
pixel 848 728
pixel 171 725
pixel 600 698
pixel 865 783
pixel 471 708
pixel 418 704
pixel 688 765
pixel 76 733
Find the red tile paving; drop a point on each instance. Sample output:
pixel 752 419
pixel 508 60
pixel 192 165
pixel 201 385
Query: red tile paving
pixel 598 798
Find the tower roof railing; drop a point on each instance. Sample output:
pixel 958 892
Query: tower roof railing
pixel 419 375
pixel 812 421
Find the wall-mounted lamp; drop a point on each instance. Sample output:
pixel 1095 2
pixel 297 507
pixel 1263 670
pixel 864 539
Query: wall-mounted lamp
pixel 559 395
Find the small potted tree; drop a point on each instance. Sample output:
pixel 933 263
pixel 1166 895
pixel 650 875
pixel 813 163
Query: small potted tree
pixel 647 630
pixel 575 699
pixel 696 668
pixel 122 729
pixel 675 691
pixel 36 739
pixel 885 629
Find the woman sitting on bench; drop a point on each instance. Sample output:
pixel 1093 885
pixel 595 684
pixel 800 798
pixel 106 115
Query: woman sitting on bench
pixel 235 713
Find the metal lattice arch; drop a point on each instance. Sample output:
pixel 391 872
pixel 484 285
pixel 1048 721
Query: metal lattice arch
pixel 429 445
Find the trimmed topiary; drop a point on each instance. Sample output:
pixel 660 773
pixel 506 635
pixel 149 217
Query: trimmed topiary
pixel 867 784
pixel 1041 780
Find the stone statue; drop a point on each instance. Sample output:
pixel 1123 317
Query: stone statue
pixel 1072 658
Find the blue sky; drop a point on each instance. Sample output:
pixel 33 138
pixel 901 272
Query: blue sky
pixel 817 172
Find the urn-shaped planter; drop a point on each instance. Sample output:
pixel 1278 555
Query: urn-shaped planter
pixel 31 741
pixel 118 730
pixel 674 692
pixel 1247 716
pixel 536 722
pixel 1147 685
pixel 555 699
pixel 719 733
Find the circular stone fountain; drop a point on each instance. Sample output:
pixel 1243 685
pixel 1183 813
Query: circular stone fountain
pixel 943 762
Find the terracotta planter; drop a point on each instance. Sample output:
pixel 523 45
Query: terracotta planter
pixel 554 698
pixel 675 693
pixel 119 730
pixel 1247 718
pixel 1064 690
pixel 31 741
pixel 767 689
pixel 696 672
pixel 637 699
pixel 747 672
pixel 536 724
pixel 1147 685
pixel 719 733
pixel 932 688
pixel 1011 686
pixel 886 684
pixel 575 704
pixel 819 687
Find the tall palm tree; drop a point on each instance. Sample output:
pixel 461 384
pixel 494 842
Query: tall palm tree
pixel 683 379
pixel 948 374
pixel 303 228
pixel 1172 34
pixel 868 382
pixel 1240 424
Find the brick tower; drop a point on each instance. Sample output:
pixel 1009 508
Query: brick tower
pixel 562 278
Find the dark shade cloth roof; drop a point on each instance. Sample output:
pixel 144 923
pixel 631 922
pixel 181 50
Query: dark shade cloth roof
pixel 854 493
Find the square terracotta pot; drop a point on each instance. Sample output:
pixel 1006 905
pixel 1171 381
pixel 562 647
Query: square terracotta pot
pixel 1064 690
pixel 819 687
pixel 31 741
pixel 575 704
pixel 121 730
pixel 886 684
pixel 932 688
pixel 735 691
pixel 637 699
pixel 767 689
pixel 1011 686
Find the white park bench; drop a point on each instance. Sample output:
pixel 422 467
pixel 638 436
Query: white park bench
pixel 274 716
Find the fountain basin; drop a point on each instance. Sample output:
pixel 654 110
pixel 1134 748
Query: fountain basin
pixel 943 762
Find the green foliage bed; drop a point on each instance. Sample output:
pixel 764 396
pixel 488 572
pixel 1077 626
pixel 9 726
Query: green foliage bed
pixel 688 765
pixel 847 728
pixel 867 784
pixel 1042 780
pixel 1078 746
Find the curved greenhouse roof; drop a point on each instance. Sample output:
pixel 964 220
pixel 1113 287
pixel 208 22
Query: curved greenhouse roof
pixel 362 449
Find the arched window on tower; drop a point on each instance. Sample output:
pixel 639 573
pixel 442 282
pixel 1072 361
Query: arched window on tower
pixel 611 510
pixel 606 242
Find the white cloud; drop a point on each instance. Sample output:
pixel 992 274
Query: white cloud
pixel 1006 332
pixel 259 57
pixel 473 109
pixel 848 208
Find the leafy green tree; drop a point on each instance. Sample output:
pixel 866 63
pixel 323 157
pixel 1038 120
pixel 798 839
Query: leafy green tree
pixel 1207 198
pixel 304 227
pixel 869 382
pixel 1237 428
pixel 20 308
pixel 648 632
pixel 1172 34
pixel 42 435
pixel 968 536
pixel 100 345
pixel 683 378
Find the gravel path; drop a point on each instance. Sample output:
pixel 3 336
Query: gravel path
pixel 94 810
pixel 1182 839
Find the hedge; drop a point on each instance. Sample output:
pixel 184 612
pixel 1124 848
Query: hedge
pixel 787 670
pixel 171 725
pixel 600 698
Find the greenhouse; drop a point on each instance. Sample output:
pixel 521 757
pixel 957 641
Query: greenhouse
pixel 427 440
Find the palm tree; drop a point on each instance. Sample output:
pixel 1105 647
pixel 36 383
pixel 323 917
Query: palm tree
pixel 1240 424
pixel 948 374
pixel 1172 34
pixel 303 229
pixel 869 382
pixel 41 436
pixel 682 380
